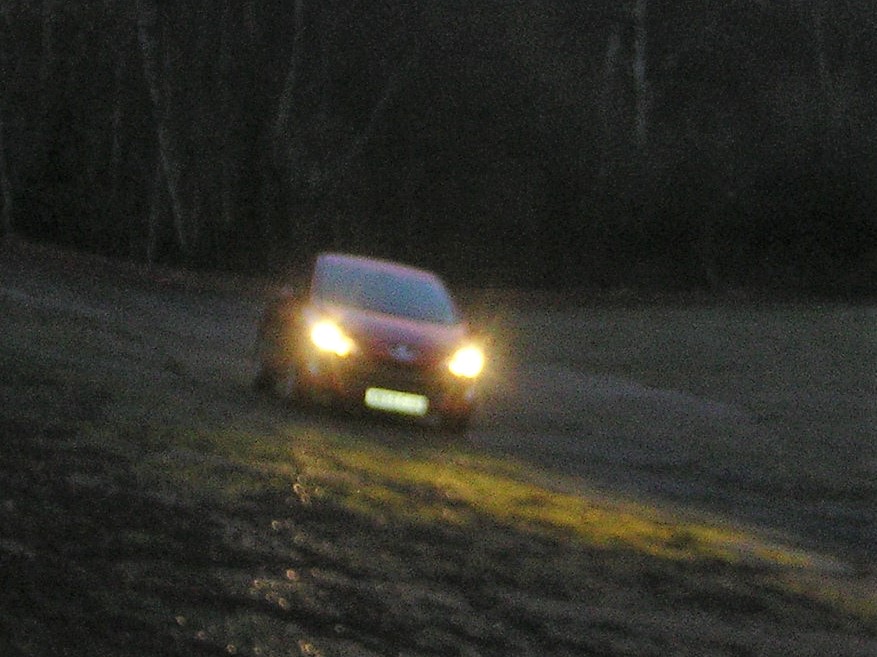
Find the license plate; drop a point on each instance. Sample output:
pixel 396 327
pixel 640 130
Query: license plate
pixel 398 402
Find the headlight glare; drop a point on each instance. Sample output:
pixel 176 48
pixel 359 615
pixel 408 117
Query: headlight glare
pixel 467 362
pixel 327 336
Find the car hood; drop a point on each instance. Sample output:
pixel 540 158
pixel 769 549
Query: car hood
pixel 396 338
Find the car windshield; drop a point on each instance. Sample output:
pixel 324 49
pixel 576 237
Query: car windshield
pixel 381 289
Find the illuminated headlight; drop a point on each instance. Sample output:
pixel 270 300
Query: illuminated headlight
pixel 467 362
pixel 327 336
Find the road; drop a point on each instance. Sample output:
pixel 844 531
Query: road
pixel 706 454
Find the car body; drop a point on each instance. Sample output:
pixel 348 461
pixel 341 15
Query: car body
pixel 376 334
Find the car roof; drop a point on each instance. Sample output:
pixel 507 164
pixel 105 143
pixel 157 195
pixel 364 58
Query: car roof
pixel 376 264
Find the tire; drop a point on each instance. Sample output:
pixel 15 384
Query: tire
pixel 278 371
pixel 266 379
pixel 287 385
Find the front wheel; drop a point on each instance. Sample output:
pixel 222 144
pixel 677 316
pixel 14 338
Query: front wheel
pixel 287 385
pixel 277 374
pixel 267 376
pixel 266 379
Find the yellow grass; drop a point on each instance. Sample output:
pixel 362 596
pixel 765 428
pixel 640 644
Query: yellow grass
pixel 473 492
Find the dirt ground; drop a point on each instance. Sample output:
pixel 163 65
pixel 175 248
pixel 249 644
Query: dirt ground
pixel 152 504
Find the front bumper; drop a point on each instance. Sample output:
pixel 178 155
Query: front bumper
pixel 351 379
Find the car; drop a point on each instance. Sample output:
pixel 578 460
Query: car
pixel 375 334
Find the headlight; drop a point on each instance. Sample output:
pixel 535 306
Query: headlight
pixel 467 362
pixel 327 336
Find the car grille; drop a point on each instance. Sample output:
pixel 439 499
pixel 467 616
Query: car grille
pixel 395 375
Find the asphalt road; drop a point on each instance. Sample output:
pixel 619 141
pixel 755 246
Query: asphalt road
pixel 601 432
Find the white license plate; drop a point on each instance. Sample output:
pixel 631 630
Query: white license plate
pixel 398 402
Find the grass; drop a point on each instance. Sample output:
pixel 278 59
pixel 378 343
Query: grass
pixel 188 539
pixel 454 486
pixel 148 510
pixel 461 490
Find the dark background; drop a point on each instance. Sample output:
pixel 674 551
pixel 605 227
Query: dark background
pixel 716 144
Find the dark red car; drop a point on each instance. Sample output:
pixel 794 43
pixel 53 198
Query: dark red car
pixel 378 334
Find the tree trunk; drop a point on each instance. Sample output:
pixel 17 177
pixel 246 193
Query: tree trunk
pixel 358 143
pixel 147 18
pixel 155 209
pixel 834 98
pixel 226 181
pixel 47 66
pixel 640 72
pixel 708 251
pixel 607 95
pixel 5 187
pixel 5 184
pixel 116 125
pixel 284 107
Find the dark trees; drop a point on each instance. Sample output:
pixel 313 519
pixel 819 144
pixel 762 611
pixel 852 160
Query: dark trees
pixel 727 143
